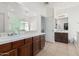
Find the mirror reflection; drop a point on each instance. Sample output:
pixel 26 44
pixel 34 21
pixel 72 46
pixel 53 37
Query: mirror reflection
pixel 61 23
pixel 15 18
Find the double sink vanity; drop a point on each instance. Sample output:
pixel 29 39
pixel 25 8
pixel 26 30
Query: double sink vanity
pixel 22 45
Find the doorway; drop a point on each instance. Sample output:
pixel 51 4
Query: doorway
pixel 47 28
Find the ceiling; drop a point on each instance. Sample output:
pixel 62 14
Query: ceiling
pixel 63 5
pixel 56 5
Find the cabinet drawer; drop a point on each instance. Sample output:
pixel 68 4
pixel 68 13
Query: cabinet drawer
pixel 28 40
pixel 5 47
pixel 36 38
pixel 10 53
pixel 17 44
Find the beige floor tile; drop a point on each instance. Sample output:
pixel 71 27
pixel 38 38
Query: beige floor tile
pixel 59 49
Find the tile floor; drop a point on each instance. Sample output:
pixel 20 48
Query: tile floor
pixel 59 49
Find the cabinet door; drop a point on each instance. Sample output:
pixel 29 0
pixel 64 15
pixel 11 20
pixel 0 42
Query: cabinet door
pixel 42 41
pixel 10 53
pixel 58 37
pixel 65 37
pixel 25 50
pixel 28 42
pixel 36 45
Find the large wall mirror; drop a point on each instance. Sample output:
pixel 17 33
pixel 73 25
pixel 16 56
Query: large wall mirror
pixel 16 24
pixel 61 23
pixel 17 19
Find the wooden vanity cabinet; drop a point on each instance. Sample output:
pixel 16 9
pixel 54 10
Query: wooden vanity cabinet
pixel 42 37
pixel 24 47
pixel 26 50
pixel 61 37
pixel 36 44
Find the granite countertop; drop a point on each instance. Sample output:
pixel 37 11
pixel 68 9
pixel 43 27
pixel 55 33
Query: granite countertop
pixel 8 39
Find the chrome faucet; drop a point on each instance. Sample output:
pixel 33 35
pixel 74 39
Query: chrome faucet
pixel 11 34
